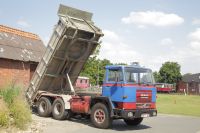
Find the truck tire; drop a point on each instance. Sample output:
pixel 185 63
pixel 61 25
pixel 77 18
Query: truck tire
pixel 58 110
pixel 133 122
pixel 44 107
pixel 100 116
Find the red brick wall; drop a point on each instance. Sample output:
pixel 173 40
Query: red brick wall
pixel 181 86
pixel 193 87
pixel 14 71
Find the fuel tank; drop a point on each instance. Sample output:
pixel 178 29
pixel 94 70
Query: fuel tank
pixel 80 104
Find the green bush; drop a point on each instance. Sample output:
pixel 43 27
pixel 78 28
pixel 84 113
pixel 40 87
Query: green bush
pixel 21 113
pixel 4 114
pixel 9 93
pixel 17 109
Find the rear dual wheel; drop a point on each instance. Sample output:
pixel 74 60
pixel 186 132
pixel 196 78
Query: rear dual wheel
pixel 44 107
pixel 58 110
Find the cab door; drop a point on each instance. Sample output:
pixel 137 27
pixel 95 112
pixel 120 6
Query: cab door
pixel 113 84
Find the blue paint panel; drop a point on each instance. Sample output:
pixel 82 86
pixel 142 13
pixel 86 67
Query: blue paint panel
pixel 154 94
pixel 131 93
pixel 116 93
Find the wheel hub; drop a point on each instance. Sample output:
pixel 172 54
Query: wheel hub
pixel 99 116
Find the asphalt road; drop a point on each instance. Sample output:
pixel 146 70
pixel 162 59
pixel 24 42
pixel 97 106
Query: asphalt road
pixel 160 124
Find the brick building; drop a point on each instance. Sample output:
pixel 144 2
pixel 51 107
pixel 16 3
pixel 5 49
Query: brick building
pixel 190 83
pixel 20 53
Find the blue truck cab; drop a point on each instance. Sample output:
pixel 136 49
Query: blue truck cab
pixel 131 92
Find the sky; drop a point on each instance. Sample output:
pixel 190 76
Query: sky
pixel 147 31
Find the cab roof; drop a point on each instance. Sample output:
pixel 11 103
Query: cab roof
pixel 125 66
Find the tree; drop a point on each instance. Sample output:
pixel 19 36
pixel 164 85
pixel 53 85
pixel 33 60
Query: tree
pixel 95 68
pixel 102 65
pixel 157 77
pixel 170 72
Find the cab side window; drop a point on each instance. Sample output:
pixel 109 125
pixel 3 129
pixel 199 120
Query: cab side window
pixel 115 75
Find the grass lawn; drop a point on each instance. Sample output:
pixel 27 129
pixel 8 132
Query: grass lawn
pixel 178 104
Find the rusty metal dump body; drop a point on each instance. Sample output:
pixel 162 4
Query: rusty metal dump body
pixel 74 39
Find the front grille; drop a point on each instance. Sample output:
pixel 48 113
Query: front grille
pixel 143 105
pixel 143 96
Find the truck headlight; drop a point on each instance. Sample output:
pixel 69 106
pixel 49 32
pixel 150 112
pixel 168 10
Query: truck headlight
pixel 154 113
pixel 130 114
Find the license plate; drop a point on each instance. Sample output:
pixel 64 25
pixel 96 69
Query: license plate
pixel 144 115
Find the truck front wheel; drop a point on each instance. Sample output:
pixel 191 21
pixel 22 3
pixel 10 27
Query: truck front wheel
pixel 100 116
pixel 58 110
pixel 133 122
pixel 44 107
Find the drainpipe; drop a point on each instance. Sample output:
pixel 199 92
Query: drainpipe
pixel 187 88
pixel 199 88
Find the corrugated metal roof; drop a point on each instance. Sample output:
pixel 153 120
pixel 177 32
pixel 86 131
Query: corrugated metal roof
pixel 191 78
pixel 19 45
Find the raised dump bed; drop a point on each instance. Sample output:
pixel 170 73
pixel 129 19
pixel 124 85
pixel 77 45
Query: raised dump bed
pixel 74 39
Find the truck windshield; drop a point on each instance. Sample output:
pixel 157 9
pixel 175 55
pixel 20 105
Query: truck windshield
pixel 139 75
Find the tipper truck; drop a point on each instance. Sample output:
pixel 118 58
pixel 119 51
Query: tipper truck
pixel 127 91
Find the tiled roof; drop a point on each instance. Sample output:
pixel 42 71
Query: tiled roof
pixel 20 45
pixel 18 32
pixel 191 78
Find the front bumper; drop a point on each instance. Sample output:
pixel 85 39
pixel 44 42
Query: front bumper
pixel 131 114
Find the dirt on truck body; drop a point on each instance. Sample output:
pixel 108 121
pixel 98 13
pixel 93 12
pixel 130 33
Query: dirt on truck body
pixel 74 39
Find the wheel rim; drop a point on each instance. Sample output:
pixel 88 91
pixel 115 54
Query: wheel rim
pixel 42 106
pixel 57 109
pixel 99 116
